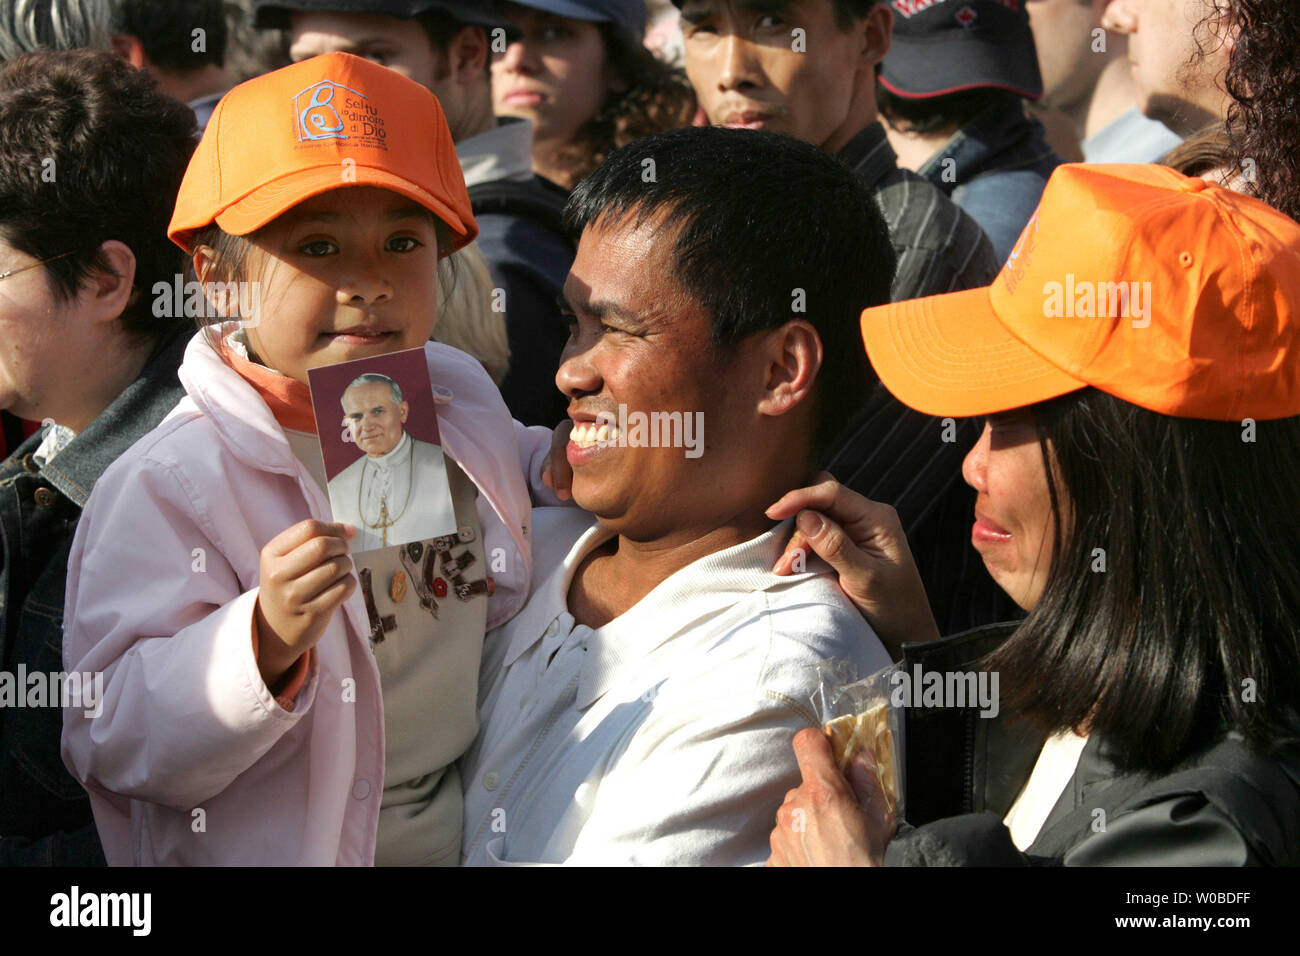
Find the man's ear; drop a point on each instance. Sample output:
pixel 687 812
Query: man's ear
pixel 403 410
pixel 107 292
pixel 877 32
pixel 793 356
pixel 129 48
pixel 467 55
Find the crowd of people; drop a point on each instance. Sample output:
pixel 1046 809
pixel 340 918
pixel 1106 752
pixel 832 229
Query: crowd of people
pixel 879 269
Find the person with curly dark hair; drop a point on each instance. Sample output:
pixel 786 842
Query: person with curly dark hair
pixel 585 79
pixel 1263 78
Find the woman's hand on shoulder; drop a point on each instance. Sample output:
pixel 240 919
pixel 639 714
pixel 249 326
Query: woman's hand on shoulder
pixel 865 544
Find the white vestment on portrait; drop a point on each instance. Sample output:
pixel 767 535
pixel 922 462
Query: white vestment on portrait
pixel 395 498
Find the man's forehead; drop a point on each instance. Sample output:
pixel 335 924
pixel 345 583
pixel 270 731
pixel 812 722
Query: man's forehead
pixel 614 253
pixel 373 393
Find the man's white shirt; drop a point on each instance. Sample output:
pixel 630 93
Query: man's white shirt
pixel 663 737
pixel 408 484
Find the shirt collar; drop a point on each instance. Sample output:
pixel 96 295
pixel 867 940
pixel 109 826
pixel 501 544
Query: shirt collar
pixel 687 597
pixel 146 401
pixel 56 438
pixel 503 152
pixel 869 154
pixel 684 599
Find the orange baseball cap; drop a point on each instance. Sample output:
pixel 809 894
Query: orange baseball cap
pixel 333 121
pixel 1168 292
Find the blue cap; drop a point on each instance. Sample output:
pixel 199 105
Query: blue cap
pixel 628 14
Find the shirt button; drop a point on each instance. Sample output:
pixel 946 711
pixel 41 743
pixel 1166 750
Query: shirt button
pixel 361 789
pixel 491 780
pixel 45 497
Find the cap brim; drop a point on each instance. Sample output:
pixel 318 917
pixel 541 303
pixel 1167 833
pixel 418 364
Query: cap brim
pixel 948 355
pixel 265 203
pixel 922 69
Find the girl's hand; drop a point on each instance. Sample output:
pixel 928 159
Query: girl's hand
pixel 864 542
pixel 305 574
pixel 556 473
pixel 827 820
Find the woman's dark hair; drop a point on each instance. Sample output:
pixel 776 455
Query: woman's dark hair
pixel 768 229
pixel 90 151
pixel 1201 153
pixel 654 97
pixel 1172 609
pixel 1263 79
pixel 934 113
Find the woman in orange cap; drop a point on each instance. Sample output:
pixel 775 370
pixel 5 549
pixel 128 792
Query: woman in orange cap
pixel 1138 364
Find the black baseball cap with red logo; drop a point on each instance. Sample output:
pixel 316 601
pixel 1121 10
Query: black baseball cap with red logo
pixel 950 46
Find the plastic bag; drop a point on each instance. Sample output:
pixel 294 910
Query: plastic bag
pixel 859 714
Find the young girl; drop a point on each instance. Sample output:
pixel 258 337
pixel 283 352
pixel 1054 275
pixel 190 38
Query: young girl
pixel 243 720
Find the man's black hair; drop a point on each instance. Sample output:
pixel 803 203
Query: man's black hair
pixel 932 114
pixel 166 30
pixel 768 229
pixel 91 151
pixel 846 11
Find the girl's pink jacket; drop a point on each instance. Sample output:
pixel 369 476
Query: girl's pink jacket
pixel 190 759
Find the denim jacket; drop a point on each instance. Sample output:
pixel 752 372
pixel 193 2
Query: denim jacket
pixel 45 816
pixel 995 168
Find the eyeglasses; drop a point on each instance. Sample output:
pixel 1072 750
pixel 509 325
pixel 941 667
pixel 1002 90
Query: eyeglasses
pixel 33 265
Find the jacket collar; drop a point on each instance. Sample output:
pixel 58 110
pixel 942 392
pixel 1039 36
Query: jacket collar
pixel 233 406
pixel 140 406
pixel 869 155
pixel 1000 137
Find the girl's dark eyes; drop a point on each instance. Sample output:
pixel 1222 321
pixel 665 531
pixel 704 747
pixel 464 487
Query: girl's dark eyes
pixel 323 247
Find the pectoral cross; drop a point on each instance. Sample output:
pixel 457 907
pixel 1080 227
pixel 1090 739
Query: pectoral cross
pixel 383 524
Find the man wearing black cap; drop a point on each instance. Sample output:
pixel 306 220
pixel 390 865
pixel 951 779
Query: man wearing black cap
pixel 807 68
pixel 446 45
pixel 952 92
